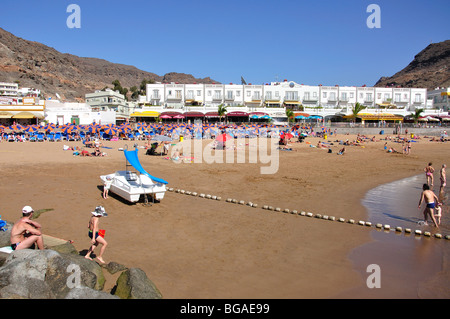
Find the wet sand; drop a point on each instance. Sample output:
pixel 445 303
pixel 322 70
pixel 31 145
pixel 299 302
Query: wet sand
pixel 198 248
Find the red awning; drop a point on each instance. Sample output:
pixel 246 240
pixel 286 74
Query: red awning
pixel 168 115
pixel 238 113
pixel 194 114
pixel 212 114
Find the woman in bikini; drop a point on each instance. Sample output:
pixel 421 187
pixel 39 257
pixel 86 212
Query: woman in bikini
pixel 94 233
pixel 429 170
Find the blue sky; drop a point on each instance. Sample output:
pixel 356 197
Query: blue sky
pixel 309 42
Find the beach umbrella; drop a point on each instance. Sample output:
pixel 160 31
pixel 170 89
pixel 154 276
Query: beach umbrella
pixel 16 127
pixel 161 138
pixel 30 128
pixel 287 135
pixel 141 126
pixel 223 137
pixel 110 130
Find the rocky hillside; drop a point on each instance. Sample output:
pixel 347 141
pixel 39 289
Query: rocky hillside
pixel 429 69
pixel 39 66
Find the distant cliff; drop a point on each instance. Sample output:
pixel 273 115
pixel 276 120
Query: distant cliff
pixel 39 66
pixel 429 69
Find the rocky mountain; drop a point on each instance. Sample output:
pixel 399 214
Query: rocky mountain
pixel 39 66
pixel 429 69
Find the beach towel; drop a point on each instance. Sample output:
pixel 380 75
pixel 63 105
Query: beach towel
pixel 3 225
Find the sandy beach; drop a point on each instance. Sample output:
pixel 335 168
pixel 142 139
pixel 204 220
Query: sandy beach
pixel 192 247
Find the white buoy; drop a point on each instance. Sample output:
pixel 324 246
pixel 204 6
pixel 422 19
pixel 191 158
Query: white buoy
pixel 399 229
pixel 218 198
pixel 294 212
pixel 255 205
pixel 332 218
pixel 241 202
pixel 351 221
pixel 361 222
pixel 287 211
pixel 341 220
pixel 214 197
pixel 202 195
pixel 427 233
pixel 387 227
pixel 408 230
pixel 418 232
pixel 208 196
pixel 303 213
pixel 194 194
pixel 438 236
pixel 278 209
pixel 379 225
pixel 182 191
pixel 368 224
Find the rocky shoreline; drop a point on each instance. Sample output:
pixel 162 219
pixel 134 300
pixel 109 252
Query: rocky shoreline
pixel 61 272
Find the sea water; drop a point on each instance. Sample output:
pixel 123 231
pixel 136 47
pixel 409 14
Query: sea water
pixel 409 264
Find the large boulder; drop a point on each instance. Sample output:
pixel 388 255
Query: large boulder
pixel 133 283
pixel 5 236
pixel 47 274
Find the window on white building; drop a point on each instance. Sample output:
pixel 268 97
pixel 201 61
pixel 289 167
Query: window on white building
pixel 199 92
pixel 418 98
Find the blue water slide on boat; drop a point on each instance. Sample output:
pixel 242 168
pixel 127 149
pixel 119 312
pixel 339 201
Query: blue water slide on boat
pixel 132 158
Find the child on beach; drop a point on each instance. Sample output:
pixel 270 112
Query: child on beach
pixel 438 213
pixel 97 235
pixel 106 186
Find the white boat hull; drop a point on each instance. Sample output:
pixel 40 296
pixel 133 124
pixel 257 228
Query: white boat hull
pixel 131 186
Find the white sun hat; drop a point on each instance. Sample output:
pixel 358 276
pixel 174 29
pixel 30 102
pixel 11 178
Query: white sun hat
pixel 99 211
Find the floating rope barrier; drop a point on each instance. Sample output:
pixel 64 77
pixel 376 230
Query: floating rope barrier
pixel 387 228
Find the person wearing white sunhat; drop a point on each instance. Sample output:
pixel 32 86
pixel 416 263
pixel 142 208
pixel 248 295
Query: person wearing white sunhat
pixel 25 233
pixel 97 235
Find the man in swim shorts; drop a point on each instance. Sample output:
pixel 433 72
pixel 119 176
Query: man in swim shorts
pixel 26 232
pixel 431 200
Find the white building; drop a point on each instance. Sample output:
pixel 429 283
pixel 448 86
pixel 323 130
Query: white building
pixel 60 113
pixel 274 98
pixel 109 100
pixel 8 89
pixel 439 98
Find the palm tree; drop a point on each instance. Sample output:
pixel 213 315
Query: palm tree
pixel 356 109
pixel 221 110
pixel 290 115
pixel 417 114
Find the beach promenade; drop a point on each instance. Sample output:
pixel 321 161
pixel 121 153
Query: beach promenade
pixel 191 247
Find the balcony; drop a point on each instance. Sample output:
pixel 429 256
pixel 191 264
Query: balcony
pixel 156 97
pixel 176 97
pixel 229 97
pixel 217 98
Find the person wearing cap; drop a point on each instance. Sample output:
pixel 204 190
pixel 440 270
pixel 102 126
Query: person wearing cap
pixel 25 233
pixel 97 237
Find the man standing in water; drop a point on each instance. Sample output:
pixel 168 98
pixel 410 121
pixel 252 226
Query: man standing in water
pixel 443 178
pixel 429 197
